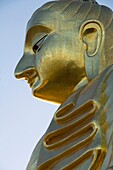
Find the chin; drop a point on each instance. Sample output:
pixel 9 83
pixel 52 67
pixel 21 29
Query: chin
pixel 53 93
pixel 48 97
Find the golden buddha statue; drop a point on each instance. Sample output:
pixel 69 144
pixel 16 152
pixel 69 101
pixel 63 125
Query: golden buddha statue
pixel 68 59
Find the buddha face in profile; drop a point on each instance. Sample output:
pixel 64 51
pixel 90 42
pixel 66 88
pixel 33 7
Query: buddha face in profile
pixel 63 47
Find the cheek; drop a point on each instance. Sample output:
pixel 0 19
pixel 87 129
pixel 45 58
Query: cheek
pixel 50 67
pixel 50 58
pixel 55 56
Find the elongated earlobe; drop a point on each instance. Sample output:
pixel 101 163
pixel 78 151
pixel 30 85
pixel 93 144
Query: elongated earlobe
pixel 92 34
pixel 91 65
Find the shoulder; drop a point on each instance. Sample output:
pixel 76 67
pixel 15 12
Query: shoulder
pixel 34 157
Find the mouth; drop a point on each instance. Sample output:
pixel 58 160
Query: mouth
pixel 31 78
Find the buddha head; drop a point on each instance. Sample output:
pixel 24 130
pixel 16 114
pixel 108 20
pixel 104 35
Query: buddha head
pixel 68 42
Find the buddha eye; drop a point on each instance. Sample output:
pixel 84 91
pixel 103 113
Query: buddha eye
pixel 38 45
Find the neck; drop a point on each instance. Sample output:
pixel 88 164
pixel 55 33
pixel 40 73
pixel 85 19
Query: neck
pixel 83 82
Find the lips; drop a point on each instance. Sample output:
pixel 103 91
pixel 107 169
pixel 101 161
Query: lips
pixel 31 77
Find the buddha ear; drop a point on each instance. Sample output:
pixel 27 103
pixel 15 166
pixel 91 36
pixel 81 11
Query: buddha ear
pixel 92 34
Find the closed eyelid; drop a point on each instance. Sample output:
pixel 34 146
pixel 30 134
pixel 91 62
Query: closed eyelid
pixel 38 45
pixel 29 45
pixel 38 38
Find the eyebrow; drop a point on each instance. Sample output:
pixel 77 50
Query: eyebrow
pixel 34 31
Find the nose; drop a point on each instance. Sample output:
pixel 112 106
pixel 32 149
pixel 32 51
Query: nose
pixel 25 65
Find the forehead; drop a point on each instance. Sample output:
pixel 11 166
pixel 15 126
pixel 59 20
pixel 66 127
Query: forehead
pixel 45 18
pixel 46 21
pixel 43 21
pixel 48 14
pixel 52 17
pixel 55 14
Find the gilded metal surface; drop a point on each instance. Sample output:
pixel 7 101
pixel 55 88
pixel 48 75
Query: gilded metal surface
pixel 68 58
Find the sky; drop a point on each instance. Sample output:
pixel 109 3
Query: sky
pixel 23 118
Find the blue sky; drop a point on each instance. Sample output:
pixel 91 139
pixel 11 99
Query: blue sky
pixel 23 118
